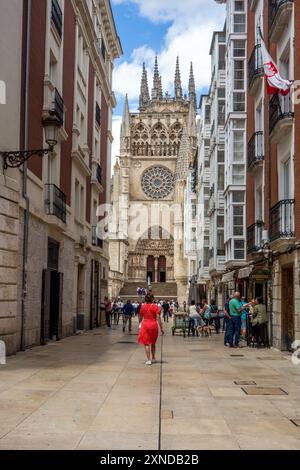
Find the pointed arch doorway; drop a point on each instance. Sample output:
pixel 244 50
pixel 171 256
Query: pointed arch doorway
pixel 162 268
pixel 151 268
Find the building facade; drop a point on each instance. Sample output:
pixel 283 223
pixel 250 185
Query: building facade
pixel 273 170
pixel 63 274
pixel 10 106
pixel 157 146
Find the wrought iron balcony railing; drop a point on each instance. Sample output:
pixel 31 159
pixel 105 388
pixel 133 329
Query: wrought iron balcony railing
pixel 256 148
pixel 254 236
pixel 55 202
pixel 274 8
pixel 282 220
pixel 57 17
pixel 255 64
pixel 280 108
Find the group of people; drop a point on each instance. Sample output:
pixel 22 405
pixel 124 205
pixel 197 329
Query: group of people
pixel 117 309
pixel 246 320
pixel 241 320
pixel 169 307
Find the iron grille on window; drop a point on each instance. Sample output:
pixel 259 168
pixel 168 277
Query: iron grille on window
pixel 55 202
pixel 280 107
pixel 282 219
pixel 255 64
pixel 98 114
pixel 57 16
pixel 254 236
pixel 58 106
pixel 256 148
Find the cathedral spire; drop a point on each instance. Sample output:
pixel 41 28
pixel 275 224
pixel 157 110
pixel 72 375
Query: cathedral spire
pixel 157 88
pixel 125 128
pixel 192 87
pixel 183 160
pixel 177 82
pixel 144 94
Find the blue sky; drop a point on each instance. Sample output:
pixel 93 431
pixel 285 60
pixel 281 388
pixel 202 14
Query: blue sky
pixel 167 28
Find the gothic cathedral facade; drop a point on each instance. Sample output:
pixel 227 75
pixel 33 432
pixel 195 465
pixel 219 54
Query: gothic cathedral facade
pixel 158 144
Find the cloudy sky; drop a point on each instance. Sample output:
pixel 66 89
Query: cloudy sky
pixel 165 28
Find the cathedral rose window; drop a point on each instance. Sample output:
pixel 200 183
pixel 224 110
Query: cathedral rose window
pixel 157 182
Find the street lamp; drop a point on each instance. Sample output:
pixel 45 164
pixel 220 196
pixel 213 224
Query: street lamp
pixel 15 159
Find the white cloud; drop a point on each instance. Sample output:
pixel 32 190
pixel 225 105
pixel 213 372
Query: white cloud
pixel 189 37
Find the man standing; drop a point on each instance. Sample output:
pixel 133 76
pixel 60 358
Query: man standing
pixel 127 315
pixel 235 310
pixel 108 310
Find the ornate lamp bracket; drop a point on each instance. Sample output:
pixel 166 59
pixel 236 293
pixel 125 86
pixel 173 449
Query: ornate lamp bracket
pixel 15 159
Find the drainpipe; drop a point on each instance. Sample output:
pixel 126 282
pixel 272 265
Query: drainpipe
pixel 24 183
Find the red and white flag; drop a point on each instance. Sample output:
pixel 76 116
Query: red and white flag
pixel 275 83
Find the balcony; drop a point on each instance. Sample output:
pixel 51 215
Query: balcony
pixel 95 240
pixel 55 202
pixel 256 149
pixel 58 106
pixel 282 220
pixel 255 236
pixel 57 17
pixel 279 13
pixel 255 65
pixel 281 116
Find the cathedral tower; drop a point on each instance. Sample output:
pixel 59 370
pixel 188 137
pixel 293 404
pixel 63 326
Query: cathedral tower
pixel 158 144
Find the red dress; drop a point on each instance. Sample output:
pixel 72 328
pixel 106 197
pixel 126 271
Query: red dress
pixel 149 330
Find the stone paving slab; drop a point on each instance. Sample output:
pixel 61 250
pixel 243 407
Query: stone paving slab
pixel 93 391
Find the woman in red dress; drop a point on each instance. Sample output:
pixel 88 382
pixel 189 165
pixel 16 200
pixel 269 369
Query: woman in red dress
pixel 150 317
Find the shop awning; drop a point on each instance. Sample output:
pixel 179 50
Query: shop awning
pixel 245 272
pixel 228 277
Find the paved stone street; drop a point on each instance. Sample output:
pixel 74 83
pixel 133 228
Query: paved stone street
pixel 93 391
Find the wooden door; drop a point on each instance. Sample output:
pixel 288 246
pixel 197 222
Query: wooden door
pixel 45 313
pixel 287 309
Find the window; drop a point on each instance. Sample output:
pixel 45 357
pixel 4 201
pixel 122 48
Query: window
pixel 194 211
pixel 220 221
pixel 238 146
pixel 220 242
pixel 239 75
pixel 207 114
pixel 238 196
pixel 206 142
pixel 239 23
pixel 239 249
pixel 238 221
pixel 238 102
pixel 206 256
pixel 79 201
pixel 239 48
pixel 221 156
pixel 221 177
pixel 238 174
pixel 239 5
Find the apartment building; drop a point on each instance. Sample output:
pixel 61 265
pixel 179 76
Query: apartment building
pixel 64 266
pixel 273 227
pixel 202 189
pixel 190 228
pixel 10 105
pixel 217 95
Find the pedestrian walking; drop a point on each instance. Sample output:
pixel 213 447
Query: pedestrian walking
pixel 120 306
pixel 166 311
pixel 150 319
pixel 244 315
pixel 194 317
pixel 108 311
pixel 128 312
